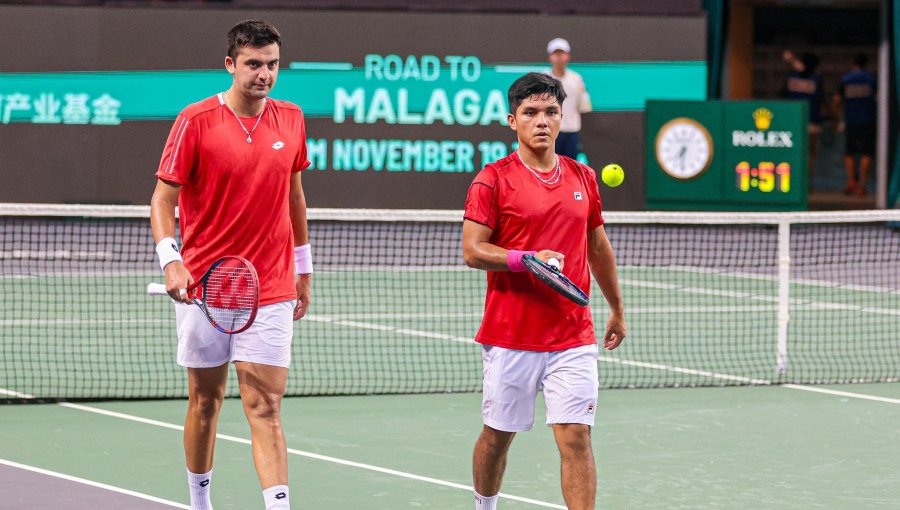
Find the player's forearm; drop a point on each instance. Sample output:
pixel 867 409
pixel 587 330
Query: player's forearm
pixel 485 256
pixel 608 281
pixel 298 216
pixel 602 262
pixel 162 213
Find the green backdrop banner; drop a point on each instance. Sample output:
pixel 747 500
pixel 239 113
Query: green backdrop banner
pixel 392 89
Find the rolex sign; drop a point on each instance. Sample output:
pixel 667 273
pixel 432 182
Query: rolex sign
pixel 761 136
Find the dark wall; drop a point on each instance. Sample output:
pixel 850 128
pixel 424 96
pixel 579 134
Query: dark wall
pixel 146 39
pixel 642 7
pixel 59 163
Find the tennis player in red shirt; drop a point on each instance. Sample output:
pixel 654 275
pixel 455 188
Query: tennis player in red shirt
pixel 535 201
pixel 232 165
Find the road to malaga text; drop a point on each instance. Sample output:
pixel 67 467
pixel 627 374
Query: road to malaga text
pixel 464 106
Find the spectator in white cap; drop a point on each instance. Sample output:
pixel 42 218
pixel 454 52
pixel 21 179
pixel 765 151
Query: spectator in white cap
pixel 568 143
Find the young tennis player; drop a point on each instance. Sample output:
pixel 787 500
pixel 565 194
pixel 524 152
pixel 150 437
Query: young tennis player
pixel 535 201
pixel 232 165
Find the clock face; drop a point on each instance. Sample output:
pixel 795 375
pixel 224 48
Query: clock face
pixel 684 148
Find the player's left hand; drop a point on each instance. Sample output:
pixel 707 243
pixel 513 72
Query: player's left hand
pixel 303 291
pixel 615 331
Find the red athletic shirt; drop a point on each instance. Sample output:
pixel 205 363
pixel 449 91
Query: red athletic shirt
pixel 234 194
pixel 520 311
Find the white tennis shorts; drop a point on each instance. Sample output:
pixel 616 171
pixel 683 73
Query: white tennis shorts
pixel 267 341
pixel 513 378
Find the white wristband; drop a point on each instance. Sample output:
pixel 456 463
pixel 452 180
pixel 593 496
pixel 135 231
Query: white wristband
pixel 167 250
pixel 303 259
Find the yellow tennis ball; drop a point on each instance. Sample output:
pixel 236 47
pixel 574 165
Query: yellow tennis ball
pixel 612 175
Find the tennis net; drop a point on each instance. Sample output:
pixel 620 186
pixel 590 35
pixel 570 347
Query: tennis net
pixel 711 299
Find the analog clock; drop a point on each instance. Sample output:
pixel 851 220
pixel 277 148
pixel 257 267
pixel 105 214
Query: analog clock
pixel 684 148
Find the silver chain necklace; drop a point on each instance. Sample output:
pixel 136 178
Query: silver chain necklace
pixel 554 177
pixel 249 133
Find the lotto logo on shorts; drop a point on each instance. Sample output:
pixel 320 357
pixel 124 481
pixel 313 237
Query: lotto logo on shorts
pixel 590 409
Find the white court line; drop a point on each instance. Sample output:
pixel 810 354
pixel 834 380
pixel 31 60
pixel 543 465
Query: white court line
pixel 407 315
pixel 93 484
pixel 795 303
pixel 310 455
pixel 837 393
pixel 681 370
pixel 4 391
pixel 55 322
pixel 389 329
pixel 796 281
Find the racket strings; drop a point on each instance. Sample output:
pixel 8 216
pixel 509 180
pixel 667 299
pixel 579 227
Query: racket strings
pixel 230 294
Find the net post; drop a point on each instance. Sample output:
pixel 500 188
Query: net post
pixel 784 287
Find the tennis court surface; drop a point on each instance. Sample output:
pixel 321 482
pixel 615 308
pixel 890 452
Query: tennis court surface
pixel 766 318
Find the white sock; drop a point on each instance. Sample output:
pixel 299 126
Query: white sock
pixel 486 503
pixel 277 498
pixel 198 485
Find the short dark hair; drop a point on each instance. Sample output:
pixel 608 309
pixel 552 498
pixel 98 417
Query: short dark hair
pixel 861 60
pixel 534 84
pixel 251 32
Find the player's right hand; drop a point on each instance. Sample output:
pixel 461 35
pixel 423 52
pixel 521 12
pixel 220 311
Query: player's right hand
pixel 615 331
pixel 545 255
pixel 178 279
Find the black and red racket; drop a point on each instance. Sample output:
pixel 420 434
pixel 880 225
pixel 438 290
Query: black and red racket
pixel 228 294
pixel 551 275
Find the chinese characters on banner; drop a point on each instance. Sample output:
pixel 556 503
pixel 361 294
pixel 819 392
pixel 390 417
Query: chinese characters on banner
pixel 47 108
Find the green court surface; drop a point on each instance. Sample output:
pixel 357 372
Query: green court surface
pixel 391 356
pixel 769 447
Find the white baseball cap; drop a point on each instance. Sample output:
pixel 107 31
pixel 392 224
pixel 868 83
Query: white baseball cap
pixel 558 44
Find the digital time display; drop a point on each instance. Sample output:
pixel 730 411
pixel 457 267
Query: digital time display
pixel 766 177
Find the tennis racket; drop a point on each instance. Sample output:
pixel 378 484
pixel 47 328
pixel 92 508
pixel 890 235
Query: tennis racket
pixel 228 294
pixel 555 279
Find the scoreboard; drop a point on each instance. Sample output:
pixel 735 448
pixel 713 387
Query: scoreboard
pixel 726 155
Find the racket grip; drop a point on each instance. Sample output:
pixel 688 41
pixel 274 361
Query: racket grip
pixel 157 289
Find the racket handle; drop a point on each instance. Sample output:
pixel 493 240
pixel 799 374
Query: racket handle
pixel 157 289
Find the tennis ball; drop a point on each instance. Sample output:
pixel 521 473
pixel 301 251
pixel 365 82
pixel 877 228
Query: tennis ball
pixel 612 175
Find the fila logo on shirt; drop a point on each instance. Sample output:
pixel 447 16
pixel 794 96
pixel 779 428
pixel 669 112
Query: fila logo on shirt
pixel 277 145
pixel 577 195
